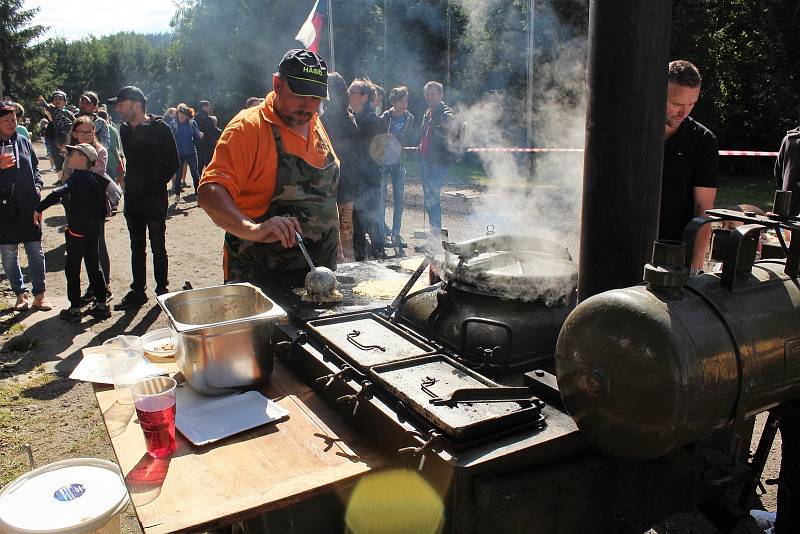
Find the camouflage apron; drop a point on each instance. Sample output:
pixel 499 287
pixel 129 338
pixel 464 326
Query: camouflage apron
pixel 302 191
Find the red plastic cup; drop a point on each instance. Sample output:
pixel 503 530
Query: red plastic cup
pixel 154 399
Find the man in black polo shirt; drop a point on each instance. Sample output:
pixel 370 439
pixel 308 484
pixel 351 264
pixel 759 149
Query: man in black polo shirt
pixel 691 162
pixel 152 160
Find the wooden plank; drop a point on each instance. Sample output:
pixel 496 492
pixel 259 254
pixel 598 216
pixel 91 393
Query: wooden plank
pixel 263 469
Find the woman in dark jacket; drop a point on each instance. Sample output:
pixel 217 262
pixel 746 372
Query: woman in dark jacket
pixel 20 192
pixel 368 178
pixel 341 127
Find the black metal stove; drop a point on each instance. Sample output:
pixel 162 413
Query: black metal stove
pixel 415 376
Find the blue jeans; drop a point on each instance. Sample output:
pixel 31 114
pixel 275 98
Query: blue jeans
pixel 191 160
pixel 398 175
pixel 432 175
pixel 33 249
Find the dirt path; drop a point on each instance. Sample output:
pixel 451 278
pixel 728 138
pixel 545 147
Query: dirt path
pixel 59 417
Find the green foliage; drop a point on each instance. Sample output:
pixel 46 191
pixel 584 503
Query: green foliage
pixel 25 70
pixel 227 50
pixel 747 52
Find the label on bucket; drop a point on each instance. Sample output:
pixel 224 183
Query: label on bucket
pixel 69 493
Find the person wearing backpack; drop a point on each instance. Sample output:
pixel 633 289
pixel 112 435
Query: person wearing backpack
pixel 87 192
pixel 438 148
pixel 84 131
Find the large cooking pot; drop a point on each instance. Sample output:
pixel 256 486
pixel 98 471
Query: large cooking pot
pixel 502 301
pixel 223 335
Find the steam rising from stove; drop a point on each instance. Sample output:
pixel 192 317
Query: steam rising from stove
pixel 541 199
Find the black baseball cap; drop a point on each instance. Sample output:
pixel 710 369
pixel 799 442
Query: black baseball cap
pixel 91 96
pixel 129 92
pixel 305 72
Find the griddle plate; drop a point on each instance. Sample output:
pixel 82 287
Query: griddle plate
pixel 416 381
pixel 365 340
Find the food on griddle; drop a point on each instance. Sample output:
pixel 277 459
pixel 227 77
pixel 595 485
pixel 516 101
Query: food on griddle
pixel 331 297
pixel 411 264
pixel 385 289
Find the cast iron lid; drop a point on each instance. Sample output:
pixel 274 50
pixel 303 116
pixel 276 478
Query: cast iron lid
pixel 510 267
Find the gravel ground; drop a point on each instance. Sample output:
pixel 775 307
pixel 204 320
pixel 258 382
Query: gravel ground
pixel 59 417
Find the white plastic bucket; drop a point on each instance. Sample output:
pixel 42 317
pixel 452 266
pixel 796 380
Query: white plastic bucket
pixel 77 496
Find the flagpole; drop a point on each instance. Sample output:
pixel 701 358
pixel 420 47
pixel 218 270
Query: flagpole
pixel 447 81
pixel 385 43
pixel 529 96
pixel 330 35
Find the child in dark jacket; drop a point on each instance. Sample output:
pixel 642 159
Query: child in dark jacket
pixel 87 193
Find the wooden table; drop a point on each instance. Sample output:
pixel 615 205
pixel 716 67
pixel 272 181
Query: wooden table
pixel 268 468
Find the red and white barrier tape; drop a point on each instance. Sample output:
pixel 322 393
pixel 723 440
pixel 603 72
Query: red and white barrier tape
pixel 524 150
pixel 758 153
pixel 747 153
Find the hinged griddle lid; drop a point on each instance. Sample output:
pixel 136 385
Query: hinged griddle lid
pixel 416 382
pixel 364 339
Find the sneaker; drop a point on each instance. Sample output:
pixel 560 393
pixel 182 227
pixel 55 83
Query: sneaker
pixel 100 310
pixel 133 299
pixel 764 520
pixel 23 301
pixel 73 315
pixel 161 290
pixel 88 297
pixel 41 303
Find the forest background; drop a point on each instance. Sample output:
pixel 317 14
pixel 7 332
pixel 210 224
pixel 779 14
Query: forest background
pixel 226 51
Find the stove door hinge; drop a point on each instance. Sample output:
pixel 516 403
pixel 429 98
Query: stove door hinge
pixel 354 400
pixel 285 349
pixel 433 438
pixel 329 379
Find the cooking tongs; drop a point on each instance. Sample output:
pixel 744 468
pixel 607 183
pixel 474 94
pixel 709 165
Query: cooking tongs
pixel 522 395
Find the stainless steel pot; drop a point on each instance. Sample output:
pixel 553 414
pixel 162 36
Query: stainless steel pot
pixel 223 335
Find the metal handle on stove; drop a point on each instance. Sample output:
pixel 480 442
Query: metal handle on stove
pixel 488 322
pixel 351 337
pixel 522 395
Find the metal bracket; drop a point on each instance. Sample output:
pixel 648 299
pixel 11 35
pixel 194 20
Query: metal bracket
pixel 433 438
pixel 328 379
pixel 354 400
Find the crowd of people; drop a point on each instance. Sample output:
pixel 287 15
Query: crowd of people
pixel 87 150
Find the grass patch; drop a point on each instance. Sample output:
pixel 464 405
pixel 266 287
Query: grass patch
pixel 21 343
pixel 757 190
pixel 12 329
pixel 12 400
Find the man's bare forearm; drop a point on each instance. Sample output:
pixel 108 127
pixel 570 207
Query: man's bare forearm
pixel 220 206
pixel 701 246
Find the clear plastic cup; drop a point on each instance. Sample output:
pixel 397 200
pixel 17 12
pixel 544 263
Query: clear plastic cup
pixel 154 399
pixel 124 354
pixel 6 156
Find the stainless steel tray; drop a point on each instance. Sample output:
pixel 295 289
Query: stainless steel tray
pixel 421 381
pixel 365 339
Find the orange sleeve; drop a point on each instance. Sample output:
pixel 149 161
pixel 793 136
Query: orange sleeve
pixel 233 158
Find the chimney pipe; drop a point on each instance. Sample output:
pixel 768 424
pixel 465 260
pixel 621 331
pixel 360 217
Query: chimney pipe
pixel 629 42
